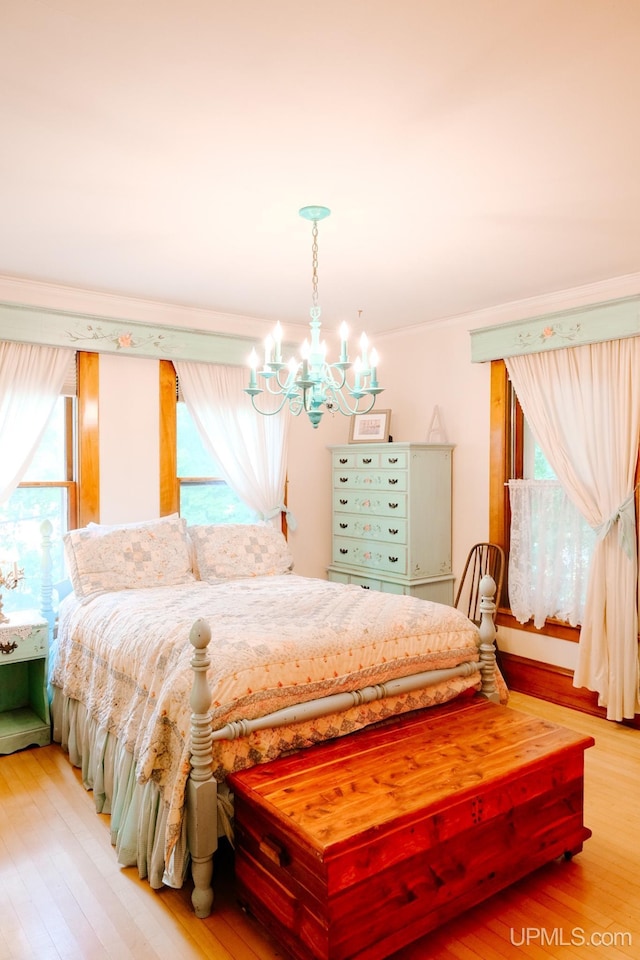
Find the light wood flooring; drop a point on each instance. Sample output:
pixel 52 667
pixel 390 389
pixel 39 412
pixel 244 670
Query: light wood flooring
pixel 62 894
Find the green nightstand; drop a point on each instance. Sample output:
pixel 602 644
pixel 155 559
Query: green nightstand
pixel 24 704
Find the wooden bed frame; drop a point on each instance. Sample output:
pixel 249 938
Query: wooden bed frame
pixel 201 791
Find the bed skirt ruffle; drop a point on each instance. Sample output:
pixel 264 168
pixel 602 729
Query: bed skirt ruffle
pixel 138 814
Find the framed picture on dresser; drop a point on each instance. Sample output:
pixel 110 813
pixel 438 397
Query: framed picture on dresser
pixel 370 427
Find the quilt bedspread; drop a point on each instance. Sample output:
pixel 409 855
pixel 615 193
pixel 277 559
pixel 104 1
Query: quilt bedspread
pixel 276 641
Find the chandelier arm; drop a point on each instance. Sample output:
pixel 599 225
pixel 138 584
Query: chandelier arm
pixel 340 403
pixel 268 413
pixel 282 388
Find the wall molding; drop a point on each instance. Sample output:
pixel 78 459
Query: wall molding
pixel 546 681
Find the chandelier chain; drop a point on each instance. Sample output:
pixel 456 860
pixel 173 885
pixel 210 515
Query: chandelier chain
pixel 314 264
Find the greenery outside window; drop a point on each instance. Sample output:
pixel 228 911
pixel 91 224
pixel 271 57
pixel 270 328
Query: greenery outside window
pixel 204 496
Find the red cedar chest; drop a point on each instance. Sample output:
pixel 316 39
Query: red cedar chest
pixel 357 847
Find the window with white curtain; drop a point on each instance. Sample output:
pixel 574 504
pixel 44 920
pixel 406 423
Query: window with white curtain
pixel 551 544
pixel 204 496
pixel 47 492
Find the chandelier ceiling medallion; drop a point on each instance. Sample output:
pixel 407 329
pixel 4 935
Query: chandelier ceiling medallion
pixel 311 384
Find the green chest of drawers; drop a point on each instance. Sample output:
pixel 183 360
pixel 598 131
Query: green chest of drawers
pixel 24 704
pixel 392 518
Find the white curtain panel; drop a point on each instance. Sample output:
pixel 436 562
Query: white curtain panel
pixel 583 406
pixel 549 553
pixel 31 378
pixel 250 449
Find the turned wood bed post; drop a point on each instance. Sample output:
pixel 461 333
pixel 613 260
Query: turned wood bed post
pixel 487 646
pixel 46 585
pixel 202 820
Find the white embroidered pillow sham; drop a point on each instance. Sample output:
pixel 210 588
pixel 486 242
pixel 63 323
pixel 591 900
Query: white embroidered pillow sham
pixel 233 550
pixel 126 557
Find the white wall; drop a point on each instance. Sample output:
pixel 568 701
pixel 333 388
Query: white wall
pixel 309 491
pixel 129 424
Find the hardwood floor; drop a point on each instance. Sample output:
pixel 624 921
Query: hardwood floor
pixel 63 895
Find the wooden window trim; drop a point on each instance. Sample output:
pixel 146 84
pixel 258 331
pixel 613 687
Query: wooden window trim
pixel 169 484
pixel 88 439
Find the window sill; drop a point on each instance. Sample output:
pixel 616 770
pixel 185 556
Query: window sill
pixel 552 628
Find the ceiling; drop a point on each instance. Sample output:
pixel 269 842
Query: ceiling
pixel 473 152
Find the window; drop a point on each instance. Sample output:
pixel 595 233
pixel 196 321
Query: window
pixel 551 544
pixel 47 492
pixel 535 464
pixel 514 454
pixel 62 485
pixel 203 496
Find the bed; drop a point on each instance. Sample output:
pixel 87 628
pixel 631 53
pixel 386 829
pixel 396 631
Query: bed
pixel 184 654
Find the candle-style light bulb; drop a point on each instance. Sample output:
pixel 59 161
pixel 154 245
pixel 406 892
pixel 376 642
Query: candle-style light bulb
pixel 364 346
pixel 277 336
pixel 344 336
pixel 357 367
pixel 374 371
pixel 253 363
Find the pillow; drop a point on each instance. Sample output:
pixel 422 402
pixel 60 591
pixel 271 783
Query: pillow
pixel 150 554
pixel 228 551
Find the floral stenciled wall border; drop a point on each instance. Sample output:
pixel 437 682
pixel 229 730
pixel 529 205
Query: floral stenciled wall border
pixel 121 341
pixel 594 323
pixel 545 337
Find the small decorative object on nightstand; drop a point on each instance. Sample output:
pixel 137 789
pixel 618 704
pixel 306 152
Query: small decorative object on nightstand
pixel 9 581
pixel 24 704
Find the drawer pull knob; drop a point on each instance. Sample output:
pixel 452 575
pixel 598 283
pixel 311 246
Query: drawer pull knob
pixel 8 647
pixel 393 459
pixel 343 459
pixel 343 526
pixel 392 506
pixel 365 586
pixel 393 559
pixel 366 459
pixel 393 480
pixel 344 479
pixel 344 550
pixel 273 851
pixel 344 502
pixel 392 531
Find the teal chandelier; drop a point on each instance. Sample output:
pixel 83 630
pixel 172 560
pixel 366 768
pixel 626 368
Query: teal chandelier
pixel 312 384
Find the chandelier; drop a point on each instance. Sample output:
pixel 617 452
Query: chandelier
pixel 311 384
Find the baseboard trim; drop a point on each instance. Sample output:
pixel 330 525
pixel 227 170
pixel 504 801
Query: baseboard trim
pixel 549 682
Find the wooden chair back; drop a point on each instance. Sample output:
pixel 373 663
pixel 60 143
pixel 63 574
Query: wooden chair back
pixel 484 558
